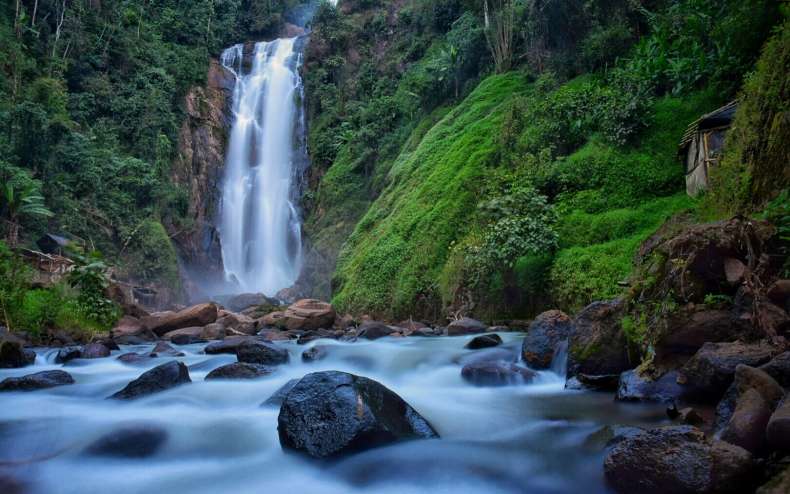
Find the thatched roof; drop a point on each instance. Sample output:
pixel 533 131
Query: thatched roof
pixel 721 117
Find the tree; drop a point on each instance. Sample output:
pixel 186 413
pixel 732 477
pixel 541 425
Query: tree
pixel 20 199
pixel 498 23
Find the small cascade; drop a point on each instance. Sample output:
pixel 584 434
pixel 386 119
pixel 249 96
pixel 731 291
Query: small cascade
pixel 559 362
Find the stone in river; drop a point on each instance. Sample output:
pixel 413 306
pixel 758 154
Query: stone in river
pixel 39 380
pixel 160 378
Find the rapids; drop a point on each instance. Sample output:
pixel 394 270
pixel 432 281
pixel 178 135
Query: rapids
pixel 529 438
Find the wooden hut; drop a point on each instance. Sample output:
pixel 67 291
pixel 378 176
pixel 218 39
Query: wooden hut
pixel 702 144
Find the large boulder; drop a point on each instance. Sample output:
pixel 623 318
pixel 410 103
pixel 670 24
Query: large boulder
pixel 373 330
pixel 229 345
pixel 130 441
pixel 464 326
pixel 14 355
pixel 779 484
pixel 133 358
pixel 197 315
pixel 711 370
pixel 164 348
pixel 239 370
pixel 94 350
pixel 779 369
pixel 686 329
pixel 278 397
pixel 39 380
pixel 261 352
pixel 634 386
pixel 242 301
pixel 544 335
pixel 68 353
pixel 747 425
pixel 677 460
pixel 160 378
pixel 484 341
pixel 189 335
pixel 598 346
pixel 778 428
pixel 307 314
pixel 330 414
pixel 239 323
pixel 128 328
pixel 496 373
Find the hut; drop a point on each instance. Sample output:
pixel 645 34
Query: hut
pixel 53 244
pixel 702 144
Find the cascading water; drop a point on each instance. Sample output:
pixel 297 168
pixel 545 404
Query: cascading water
pixel 259 225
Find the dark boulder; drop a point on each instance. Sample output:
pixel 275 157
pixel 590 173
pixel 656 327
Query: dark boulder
pixel 94 350
pixel 465 326
pixel 779 484
pixel 229 345
pixel 330 414
pixel 160 378
pixel 634 387
pixel 164 348
pixel 239 370
pixel 130 441
pixel 711 370
pixel 132 358
pixel 261 352
pixel 598 346
pixel 277 398
pixel 186 339
pixel 68 353
pixel 779 369
pixel 39 380
pixel 318 352
pixel 484 341
pixel 778 429
pixel 744 412
pixel 316 334
pixel 14 355
pixel 544 335
pixel 599 382
pixel 691 326
pixel 238 303
pixel 677 460
pixel 373 330
pixel 496 374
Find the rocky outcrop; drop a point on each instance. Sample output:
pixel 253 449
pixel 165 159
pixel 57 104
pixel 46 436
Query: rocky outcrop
pixel 465 326
pixel 598 348
pixel 239 370
pixel 130 441
pixel 198 315
pixel 331 414
pixel 496 373
pixel 160 378
pixel 544 335
pixel 677 460
pixel 39 380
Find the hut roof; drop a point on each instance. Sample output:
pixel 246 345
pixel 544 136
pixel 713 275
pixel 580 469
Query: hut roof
pixel 718 118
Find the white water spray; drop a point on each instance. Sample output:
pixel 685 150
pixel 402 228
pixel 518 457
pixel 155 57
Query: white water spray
pixel 259 223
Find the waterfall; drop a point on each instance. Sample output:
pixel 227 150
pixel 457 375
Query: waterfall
pixel 259 224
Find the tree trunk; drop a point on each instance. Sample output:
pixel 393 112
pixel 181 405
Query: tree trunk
pixel 13 234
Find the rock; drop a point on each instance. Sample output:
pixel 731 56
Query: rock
pixel 68 353
pixel 229 345
pixel 94 350
pixel 330 414
pixel 238 303
pixel 779 293
pixel 261 352
pixel 634 387
pixel 544 335
pixel 317 334
pixel 274 335
pixel 163 348
pixel 487 355
pixel 734 271
pixel 158 379
pixel 465 326
pixel 129 326
pixel 427 332
pixel 690 416
pixel 108 342
pixel 484 341
pixel 271 320
pixel 779 369
pixel 134 340
pixel 675 460
pixel 39 380
pixel 597 346
pixel 278 397
pixel 130 441
pixel 307 314
pixel 778 428
pixel 13 355
pixel 602 382
pixel 133 358
pixel 496 374
pixel 239 323
pixel 186 339
pixel 197 315
pixel 780 484
pixel 746 427
pixel 239 370
pixel 609 435
pixel 213 331
pixel 318 352
pixel 711 370
pixel 750 378
pixel 373 330
pixel 192 334
pixel 691 326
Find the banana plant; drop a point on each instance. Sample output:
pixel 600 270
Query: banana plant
pixel 18 204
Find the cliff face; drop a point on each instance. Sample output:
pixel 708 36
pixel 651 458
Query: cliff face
pixel 198 168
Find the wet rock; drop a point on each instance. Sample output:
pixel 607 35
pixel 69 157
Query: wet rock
pixel 213 331
pixel 318 352
pixel 601 382
pixel 465 326
pixel 330 414
pixel 677 459
pixel 545 334
pixel 68 353
pixel 239 370
pixel 186 339
pixel 192 334
pixel 427 332
pixel 243 301
pixel 307 314
pixel 317 334
pixel 274 335
pixel 609 435
pixel 779 369
pixel 131 441
pixel 195 316
pixel 484 341
pixel 690 416
pixel 744 412
pixel 780 484
pixel 597 346
pixel 778 428
pixel 163 348
pixel 229 345
pixel 14 355
pixel 160 378
pixel 111 344
pixel 691 326
pixel 373 330
pixel 496 374
pixel 39 380
pixel 94 350
pixel 261 352
pixel 634 387
pixel 133 340
pixel 488 355
pixel 128 327
pixel 711 370
pixel 133 358
pixel 277 398
pixel 239 323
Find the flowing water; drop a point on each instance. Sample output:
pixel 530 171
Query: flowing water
pixel 259 223
pixel 529 438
